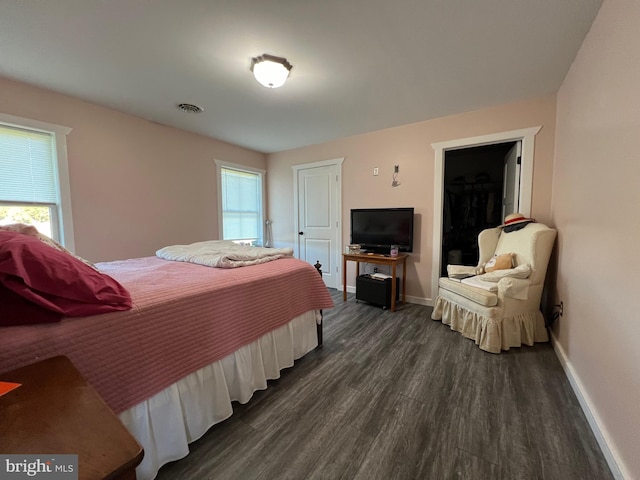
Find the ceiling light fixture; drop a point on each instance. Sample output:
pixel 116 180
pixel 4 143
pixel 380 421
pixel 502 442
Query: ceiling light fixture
pixel 270 71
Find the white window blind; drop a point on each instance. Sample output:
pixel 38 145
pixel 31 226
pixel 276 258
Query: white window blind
pixel 27 166
pixel 241 205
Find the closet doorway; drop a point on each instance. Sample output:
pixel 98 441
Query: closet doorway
pixel 527 138
pixel 480 187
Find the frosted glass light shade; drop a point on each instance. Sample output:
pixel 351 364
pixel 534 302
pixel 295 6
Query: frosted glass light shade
pixel 270 71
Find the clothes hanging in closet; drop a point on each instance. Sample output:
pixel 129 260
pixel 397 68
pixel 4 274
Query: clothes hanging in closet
pixel 471 209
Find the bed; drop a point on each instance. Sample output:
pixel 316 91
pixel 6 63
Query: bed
pixel 195 340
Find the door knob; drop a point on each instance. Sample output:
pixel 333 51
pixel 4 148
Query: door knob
pixel 300 233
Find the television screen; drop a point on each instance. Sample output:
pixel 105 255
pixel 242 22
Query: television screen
pixel 376 229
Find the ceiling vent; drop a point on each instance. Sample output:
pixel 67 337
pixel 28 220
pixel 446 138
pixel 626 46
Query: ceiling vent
pixel 190 108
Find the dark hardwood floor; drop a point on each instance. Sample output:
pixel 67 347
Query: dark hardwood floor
pixel 399 396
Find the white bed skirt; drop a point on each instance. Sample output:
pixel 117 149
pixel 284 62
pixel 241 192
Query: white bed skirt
pixel 167 422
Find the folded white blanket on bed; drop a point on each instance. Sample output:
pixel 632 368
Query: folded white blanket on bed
pixel 222 254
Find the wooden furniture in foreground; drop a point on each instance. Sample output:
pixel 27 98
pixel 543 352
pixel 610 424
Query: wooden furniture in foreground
pixel 56 412
pixel 380 260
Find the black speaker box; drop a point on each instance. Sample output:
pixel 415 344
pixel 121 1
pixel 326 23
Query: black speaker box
pixel 375 291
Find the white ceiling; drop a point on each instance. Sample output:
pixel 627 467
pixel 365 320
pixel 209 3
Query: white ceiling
pixel 358 65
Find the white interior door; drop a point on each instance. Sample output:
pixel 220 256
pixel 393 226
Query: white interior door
pixel 511 187
pixel 318 222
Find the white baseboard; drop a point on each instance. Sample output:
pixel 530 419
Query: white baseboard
pixel 602 437
pixel 420 301
pixel 410 299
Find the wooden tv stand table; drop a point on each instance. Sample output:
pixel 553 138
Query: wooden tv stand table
pixel 55 412
pixel 380 260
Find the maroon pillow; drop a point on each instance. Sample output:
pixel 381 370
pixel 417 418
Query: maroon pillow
pixel 15 310
pixel 52 280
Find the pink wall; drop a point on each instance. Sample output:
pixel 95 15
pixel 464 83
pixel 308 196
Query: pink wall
pixel 135 185
pixel 596 195
pixel 409 147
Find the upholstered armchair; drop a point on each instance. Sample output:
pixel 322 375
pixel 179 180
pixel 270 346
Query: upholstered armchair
pixel 501 309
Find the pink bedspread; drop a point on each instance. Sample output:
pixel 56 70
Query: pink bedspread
pixel 184 317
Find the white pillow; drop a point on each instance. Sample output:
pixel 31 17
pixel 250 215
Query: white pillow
pixel 521 271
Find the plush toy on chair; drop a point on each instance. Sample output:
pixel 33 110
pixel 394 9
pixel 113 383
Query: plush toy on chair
pixel 497 302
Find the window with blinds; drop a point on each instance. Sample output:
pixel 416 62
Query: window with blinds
pixel 29 190
pixel 241 198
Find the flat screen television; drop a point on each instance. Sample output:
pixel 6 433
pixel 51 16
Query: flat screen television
pixel 376 229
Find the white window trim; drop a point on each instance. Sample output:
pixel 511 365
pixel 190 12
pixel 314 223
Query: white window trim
pixel 220 164
pixel 59 132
